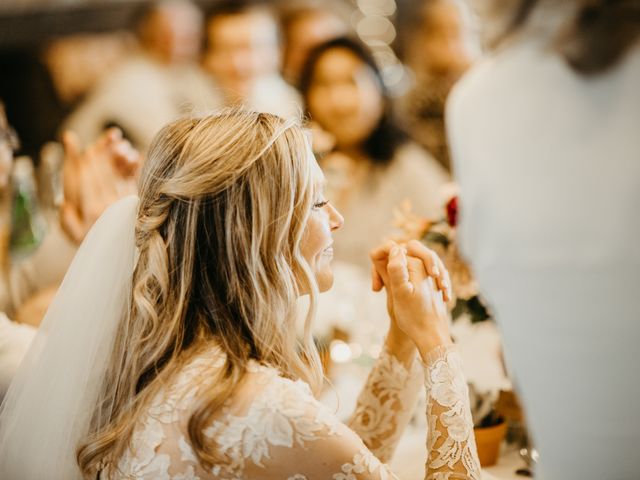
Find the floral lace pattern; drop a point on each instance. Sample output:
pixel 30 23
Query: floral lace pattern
pixel 279 417
pixel 386 404
pixel 282 432
pixel 452 454
pixel 364 462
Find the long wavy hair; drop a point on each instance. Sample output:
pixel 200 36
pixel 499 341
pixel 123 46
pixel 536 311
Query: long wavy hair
pixel 596 37
pixel 224 201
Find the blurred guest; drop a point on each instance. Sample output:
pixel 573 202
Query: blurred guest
pixel 160 82
pixel 93 178
pixel 41 87
pixel 305 26
pixel 14 338
pixel 373 165
pixel 77 63
pixel 243 56
pixel 8 144
pixel 545 145
pixel 440 51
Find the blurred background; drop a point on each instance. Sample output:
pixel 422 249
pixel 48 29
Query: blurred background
pixel 54 54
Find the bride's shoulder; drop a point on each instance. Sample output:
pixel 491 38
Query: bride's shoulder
pixel 265 387
pixel 260 385
pixel 265 411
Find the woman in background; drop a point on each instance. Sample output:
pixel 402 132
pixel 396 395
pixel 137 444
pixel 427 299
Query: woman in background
pixel 373 166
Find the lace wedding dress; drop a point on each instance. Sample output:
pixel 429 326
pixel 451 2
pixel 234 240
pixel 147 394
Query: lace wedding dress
pixel 273 428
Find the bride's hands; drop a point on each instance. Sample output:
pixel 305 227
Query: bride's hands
pixel 419 306
pixel 418 287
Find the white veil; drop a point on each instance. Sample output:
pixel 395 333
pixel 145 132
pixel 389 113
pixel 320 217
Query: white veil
pixel 52 397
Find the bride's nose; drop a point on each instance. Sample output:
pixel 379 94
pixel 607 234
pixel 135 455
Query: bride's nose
pixel 335 218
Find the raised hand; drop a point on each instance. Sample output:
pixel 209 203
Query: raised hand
pixel 94 178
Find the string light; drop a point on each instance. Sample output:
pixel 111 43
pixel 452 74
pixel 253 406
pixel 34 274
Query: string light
pixel 340 351
pixel 373 24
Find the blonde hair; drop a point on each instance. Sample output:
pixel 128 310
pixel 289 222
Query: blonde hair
pixel 224 201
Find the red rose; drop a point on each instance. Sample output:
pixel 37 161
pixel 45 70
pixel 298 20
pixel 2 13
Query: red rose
pixel 452 211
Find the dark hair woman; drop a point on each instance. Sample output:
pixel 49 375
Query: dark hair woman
pixel 373 165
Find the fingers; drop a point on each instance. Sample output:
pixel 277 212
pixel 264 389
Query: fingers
pixel 71 166
pixel 382 252
pixel 398 271
pixel 124 157
pixel 71 222
pixel 113 134
pixel 429 258
pixel 417 272
pixel 434 266
pixel 72 147
pixel 376 280
pixel 379 258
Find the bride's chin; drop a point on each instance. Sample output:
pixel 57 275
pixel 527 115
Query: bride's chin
pixel 325 281
pixel 325 288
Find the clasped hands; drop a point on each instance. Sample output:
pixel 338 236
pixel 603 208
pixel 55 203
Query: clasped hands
pixel 418 288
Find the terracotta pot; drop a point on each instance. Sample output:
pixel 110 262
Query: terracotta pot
pixel 488 440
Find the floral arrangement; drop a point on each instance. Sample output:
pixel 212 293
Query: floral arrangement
pixel 440 236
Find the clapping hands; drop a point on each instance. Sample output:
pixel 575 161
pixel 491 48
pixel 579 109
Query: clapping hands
pixel 94 178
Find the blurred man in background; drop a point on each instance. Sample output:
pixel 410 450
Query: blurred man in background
pixel 442 48
pixel 243 56
pixel 156 85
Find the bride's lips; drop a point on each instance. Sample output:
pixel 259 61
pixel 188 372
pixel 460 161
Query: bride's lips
pixel 328 251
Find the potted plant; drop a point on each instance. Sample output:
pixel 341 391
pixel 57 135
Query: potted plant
pixel 489 425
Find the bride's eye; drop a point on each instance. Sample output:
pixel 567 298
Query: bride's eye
pixel 319 205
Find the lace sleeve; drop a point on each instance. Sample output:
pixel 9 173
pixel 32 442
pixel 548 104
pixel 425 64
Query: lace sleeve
pixel 386 404
pixel 451 446
pixel 331 450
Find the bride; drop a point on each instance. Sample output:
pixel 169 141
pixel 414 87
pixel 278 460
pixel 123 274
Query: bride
pixel 170 351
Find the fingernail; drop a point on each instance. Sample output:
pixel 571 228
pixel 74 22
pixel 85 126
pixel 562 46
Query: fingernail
pixel 394 252
pixel 435 270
